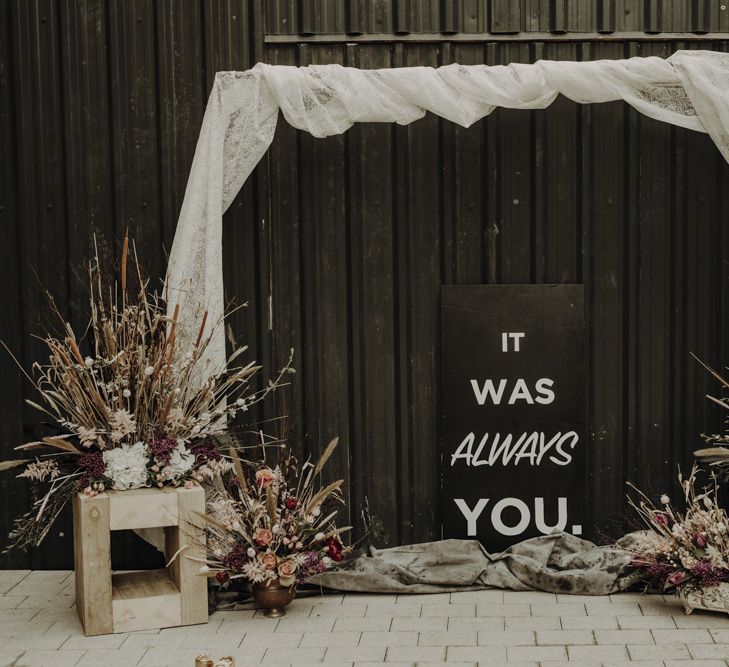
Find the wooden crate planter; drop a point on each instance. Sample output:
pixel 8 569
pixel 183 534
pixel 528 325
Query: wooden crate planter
pixel 148 599
pixel 714 598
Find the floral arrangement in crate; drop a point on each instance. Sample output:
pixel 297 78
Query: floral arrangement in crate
pixel 126 405
pixel 682 551
pixel 275 526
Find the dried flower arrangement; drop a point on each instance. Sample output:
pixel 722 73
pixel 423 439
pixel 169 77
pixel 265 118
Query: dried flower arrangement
pixel 130 411
pixel 275 526
pixel 686 551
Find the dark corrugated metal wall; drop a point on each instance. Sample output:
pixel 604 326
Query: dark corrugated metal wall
pixel 349 238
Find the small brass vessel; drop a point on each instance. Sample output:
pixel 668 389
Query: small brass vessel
pixel 274 598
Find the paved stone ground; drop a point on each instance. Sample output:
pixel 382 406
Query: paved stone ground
pixel 38 626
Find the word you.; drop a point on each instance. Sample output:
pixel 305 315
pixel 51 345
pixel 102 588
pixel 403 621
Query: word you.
pixel 472 516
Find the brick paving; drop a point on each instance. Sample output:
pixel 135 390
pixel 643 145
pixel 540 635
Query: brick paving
pixel 38 626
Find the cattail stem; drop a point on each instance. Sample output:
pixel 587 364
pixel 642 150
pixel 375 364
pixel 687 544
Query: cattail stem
pixel 125 251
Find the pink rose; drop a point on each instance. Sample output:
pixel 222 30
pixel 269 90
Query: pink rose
pixel 268 560
pixel 660 519
pixel 286 572
pixel 263 536
pixel 676 578
pixel 264 477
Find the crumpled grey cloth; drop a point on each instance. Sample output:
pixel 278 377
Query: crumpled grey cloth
pixel 557 563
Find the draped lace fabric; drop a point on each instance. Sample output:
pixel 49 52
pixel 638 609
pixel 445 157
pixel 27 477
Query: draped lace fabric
pixel 690 89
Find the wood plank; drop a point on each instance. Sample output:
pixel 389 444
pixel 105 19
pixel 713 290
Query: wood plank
pixel 282 17
pixel 286 314
pixel 181 102
pixel 88 161
pixel 12 268
pixel 622 36
pixel 186 541
pixel 557 175
pixel 325 281
pixel 419 274
pixel 92 563
pixel 505 16
pixel 143 508
pixel 144 600
pixel 654 323
pixel 135 156
pixel 465 215
pixel 228 47
pixel 513 214
pixel 605 264
pixel 40 179
pixel 372 293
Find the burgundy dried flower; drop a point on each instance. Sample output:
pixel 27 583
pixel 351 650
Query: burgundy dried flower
pixel 699 540
pixel 223 577
pixel 334 549
pixel 236 559
pixel 707 575
pixel 658 572
pixel 93 464
pixel 291 503
pixel 311 565
pixel 162 447
pixel 660 518
pixel 205 451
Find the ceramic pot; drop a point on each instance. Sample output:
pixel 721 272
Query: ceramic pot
pixel 273 597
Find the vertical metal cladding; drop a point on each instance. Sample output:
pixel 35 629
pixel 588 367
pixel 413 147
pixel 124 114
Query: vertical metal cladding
pixel 340 246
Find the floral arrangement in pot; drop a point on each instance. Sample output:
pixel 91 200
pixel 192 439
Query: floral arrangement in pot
pixel 683 552
pixel 274 527
pixel 127 405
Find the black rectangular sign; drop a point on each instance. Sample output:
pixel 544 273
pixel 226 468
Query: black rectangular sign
pixel 514 459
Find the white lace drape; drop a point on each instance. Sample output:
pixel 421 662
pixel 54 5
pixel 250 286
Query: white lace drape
pixel 689 89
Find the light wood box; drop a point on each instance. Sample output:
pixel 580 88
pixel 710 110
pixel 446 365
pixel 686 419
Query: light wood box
pixel 148 599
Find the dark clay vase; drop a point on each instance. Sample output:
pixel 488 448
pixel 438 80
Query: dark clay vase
pixel 273 597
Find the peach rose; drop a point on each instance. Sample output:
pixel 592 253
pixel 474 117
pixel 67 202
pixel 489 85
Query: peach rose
pixel 264 477
pixel 263 536
pixel 268 560
pixel 287 572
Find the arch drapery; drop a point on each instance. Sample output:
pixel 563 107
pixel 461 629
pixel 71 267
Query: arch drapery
pixel 689 89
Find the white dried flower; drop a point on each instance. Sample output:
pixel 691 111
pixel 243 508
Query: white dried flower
pixel 319 537
pixel 149 370
pixel 126 393
pixel 41 470
pixel 251 552
pixel 665 500
pixel 126 466
pixel 89 362
pixel 316 511
pixel 122 424
pixel 87 436
pixel 253 571
pixel 181 461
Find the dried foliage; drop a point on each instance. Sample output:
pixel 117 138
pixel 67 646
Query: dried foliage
pixel 275 524
pixel 132 411
pixel 687 549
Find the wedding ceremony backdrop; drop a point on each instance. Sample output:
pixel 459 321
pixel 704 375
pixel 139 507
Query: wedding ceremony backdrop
pixel 340 245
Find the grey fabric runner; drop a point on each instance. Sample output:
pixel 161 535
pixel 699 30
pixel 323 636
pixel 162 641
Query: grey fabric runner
pixel 557 563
